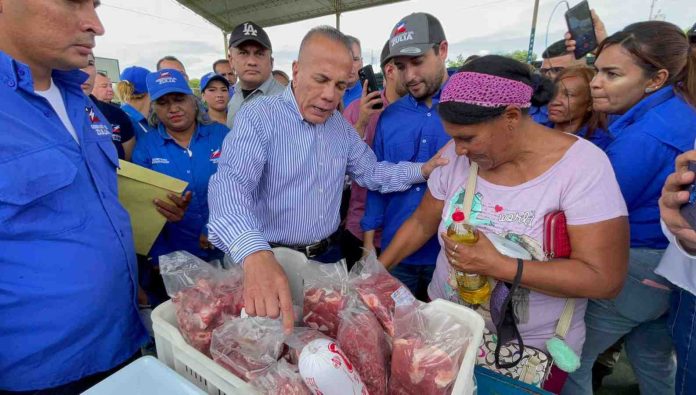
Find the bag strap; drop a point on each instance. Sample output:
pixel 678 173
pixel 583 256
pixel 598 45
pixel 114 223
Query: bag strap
pixel 470 189
pixel 566 317
pixel 503 314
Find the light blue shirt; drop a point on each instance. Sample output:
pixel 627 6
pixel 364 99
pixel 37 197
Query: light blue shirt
pixel 280 178
pixel 68 274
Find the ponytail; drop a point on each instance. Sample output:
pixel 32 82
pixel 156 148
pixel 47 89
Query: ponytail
pixel 126 92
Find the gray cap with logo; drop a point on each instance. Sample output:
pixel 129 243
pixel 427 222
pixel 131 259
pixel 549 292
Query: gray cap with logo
pixel 414 35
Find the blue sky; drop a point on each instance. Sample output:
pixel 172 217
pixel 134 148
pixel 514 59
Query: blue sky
pixel 140 32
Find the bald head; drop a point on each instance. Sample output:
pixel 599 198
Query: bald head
pixel 320 75
pixel 327 33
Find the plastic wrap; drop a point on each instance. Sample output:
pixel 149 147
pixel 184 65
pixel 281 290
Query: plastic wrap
pixel 377 288
pixel 203 296
pixel 325 290
pixel 297 341
pixel 281 379
pixel 248 346
pixel 427 350
pixel 364 342
pixel 327 371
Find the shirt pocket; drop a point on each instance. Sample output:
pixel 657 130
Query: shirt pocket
pixel 37 198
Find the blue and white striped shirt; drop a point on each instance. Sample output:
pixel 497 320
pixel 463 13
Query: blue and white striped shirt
pixel 280 178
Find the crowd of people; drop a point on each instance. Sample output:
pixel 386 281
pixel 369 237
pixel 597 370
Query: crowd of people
pixel 315 163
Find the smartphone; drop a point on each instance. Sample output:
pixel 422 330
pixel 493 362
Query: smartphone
pixel 688 210
pixel 581 28
pixel 366 74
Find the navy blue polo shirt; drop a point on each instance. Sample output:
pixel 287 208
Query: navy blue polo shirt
pixel 121 125
pixel 407 131
pixel 159 152
pixel 647 140
pixel 68 274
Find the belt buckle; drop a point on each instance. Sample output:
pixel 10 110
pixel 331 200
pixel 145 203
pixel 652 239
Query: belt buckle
pixel 309 250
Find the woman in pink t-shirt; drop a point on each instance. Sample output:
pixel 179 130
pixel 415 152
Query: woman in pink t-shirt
pixel 525 172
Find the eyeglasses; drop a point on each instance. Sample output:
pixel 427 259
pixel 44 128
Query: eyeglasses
pixel 551 70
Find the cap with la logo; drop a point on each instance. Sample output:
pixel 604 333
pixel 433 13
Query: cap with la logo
pixel 249 31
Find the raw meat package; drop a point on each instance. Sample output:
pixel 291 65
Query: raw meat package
pixel 203 296
pixel 297 341
pixel 376 288
pixel 325 289
pixel 281 379
pixel 427 350
pixel 327 371
pixel 364 342
pixel 247 346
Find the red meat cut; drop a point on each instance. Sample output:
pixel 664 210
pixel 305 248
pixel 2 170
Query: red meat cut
pixel 420 368
pixel 376 291
pixel 362 339
pixel 248 346
pixel 205 306
pixel 321 308
pixel 281 379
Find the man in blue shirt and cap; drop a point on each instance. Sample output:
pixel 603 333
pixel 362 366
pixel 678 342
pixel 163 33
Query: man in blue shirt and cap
pixel 409 130
pixel 68 283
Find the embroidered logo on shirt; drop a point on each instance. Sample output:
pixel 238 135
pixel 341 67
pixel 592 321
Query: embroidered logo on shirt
pixel 116 132
pixel 99 128
pixel 215 156
pixel 160 161
pixel 92 116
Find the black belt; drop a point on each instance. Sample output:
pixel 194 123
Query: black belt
pixel 312 250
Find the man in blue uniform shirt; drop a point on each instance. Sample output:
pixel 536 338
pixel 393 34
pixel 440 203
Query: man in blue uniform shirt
pixel 68 284
pixel 410 130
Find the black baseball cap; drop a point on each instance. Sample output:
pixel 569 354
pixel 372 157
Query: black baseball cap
pixel 414 35
pixel 249 31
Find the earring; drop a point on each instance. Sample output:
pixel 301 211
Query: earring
pixel 649 90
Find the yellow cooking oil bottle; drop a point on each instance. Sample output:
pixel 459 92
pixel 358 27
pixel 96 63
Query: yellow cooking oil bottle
pixel 473 288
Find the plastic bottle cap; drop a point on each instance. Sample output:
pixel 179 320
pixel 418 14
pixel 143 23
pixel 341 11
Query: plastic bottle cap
pixel 458 216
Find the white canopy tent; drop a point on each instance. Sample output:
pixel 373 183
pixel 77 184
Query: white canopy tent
pixel 226 14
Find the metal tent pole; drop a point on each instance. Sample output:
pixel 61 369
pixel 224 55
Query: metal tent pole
pixel 531 35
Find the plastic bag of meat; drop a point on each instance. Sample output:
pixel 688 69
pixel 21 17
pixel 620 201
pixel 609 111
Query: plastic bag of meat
pixel 325 289
pixel 427 350
pixel 327 371
pixel 203 296
pixel 297 341
pixel 247 346
pixel 281 379
pixel 364 342
pixel 376 288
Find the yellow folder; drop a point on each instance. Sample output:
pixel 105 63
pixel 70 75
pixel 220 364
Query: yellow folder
pixel 137 188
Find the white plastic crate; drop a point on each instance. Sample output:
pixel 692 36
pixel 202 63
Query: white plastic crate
pixel 174 352
pixel 145 376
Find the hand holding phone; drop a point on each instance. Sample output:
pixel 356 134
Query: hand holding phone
pixel 366 74
pixel 582 29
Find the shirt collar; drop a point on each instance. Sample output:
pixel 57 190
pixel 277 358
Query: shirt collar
pixel 436 98
pixel 132 112
pixel 16 74
pixel 201 131
pixel 639 109
pixel 264 88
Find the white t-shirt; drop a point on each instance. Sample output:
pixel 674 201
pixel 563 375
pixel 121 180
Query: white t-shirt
pixel 56 100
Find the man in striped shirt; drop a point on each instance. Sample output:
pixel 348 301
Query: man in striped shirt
pixel 280 177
